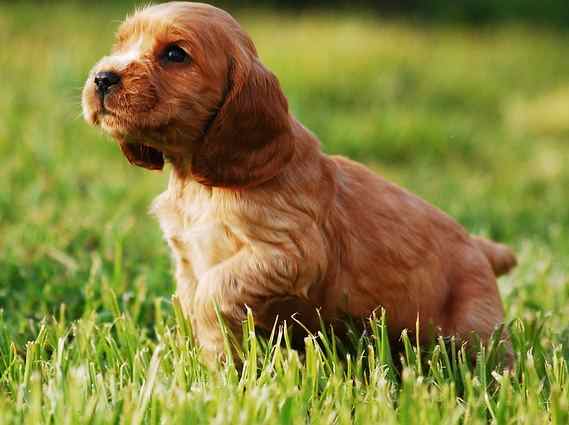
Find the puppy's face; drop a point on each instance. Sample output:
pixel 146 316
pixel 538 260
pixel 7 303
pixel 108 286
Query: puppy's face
pixel 161 84
pixel 183 81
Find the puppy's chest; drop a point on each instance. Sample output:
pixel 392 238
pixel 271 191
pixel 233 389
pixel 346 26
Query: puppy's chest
pixel 198 237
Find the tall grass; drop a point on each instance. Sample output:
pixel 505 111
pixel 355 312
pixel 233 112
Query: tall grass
pixel 88 371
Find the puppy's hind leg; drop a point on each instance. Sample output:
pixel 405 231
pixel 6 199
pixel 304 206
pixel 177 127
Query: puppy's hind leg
pixel 474 312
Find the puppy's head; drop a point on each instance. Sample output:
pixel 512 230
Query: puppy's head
pixel 183 81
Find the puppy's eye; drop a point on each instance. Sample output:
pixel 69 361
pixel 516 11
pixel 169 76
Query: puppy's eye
pixel 176 54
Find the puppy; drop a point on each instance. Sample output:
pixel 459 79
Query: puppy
pixel 255 214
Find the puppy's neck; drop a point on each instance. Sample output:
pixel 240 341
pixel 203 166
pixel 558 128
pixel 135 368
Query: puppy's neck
pixel 303 157
pixel 237 162
pixel 181 167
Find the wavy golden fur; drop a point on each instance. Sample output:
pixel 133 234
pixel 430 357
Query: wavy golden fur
pixel 255 214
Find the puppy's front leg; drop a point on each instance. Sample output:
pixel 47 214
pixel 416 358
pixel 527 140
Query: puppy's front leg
pixel 248 279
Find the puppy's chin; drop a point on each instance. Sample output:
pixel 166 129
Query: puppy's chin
pixel 116 126
pixel 138 148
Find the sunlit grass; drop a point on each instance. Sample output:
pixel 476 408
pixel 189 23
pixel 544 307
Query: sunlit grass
pixel 472 121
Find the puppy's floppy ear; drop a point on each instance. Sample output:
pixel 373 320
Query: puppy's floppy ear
pixel 250 139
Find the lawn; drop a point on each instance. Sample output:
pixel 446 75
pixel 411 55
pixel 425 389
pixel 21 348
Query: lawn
pixel 475 121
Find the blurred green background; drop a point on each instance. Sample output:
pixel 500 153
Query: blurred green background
pixel 467 106
pixel 472 12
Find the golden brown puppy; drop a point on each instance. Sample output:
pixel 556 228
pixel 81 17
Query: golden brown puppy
pixel 256 215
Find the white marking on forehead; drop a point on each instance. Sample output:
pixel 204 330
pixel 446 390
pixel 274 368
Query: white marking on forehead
pixel 122 60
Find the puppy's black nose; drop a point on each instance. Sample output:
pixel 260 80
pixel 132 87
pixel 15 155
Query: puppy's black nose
pixel 104 80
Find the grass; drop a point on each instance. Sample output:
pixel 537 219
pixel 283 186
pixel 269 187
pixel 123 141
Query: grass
pixel 475 122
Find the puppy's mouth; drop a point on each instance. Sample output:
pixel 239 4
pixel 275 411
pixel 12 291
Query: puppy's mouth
pixel 137 153
pixel 143 155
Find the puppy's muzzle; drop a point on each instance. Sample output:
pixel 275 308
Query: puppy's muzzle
pixel 105 80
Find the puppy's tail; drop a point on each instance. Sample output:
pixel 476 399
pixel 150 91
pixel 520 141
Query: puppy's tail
pixel 501 258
